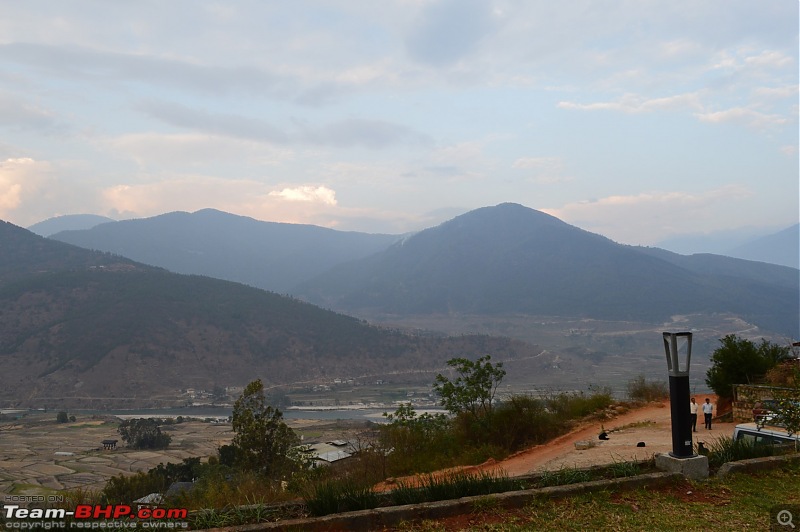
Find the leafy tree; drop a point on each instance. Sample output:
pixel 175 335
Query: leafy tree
pixel 788 403
pixel 143 434
pixel 740 361
pixel 473 391
pixel 263 442
pixel 62 417
pixel 417 442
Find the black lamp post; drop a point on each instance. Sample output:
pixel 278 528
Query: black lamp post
pixel 678 347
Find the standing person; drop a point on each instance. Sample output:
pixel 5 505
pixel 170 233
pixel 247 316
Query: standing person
pixel 693 406
pixel 708 408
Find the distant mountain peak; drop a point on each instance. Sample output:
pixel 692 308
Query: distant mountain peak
pixel 68 222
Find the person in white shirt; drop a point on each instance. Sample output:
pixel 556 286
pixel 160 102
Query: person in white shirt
pixel 708 409
pixel 693 406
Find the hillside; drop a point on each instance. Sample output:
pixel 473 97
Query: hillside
pixel 512 259
pixel 268 255
pixel 782 247
pixel 79 327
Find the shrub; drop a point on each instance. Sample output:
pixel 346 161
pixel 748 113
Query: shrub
pixel 569 406
pixel 640 389
pixel 431 488
pixel 220 486
pixel 565 475
pixel 522 420
pixel 418 443
pixel 339 495
pixel 727 449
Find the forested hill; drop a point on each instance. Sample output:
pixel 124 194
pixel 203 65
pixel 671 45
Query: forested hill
pixel 512 259
pixel 82 327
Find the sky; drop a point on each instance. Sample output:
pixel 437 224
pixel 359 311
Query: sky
pixel 636 119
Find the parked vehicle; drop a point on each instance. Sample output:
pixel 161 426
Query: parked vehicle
pixel 759 435
pixel 764 412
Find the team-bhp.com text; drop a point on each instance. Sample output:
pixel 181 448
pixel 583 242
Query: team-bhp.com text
pixel 93 516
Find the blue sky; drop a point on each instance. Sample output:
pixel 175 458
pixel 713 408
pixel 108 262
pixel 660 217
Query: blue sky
pixel 639 120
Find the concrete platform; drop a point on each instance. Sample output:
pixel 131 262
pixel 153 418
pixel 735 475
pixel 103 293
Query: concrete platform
pixel 695 467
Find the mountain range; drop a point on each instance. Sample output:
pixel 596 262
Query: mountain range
pixel 497 260
pixel 93 326
pixel 89 328
pixel 268 255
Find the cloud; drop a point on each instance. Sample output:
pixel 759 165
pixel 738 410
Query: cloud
pixel 544 170
pixel 548 163
pixel 33 190
pixel 373 134
pixel 649 217
pixel 680 48
pixel 303 204
pixel 17 111
pixel 742 115
pixel 82 64
pixel 778 93
pixel 349 132
pixel 13 173
pixel 307 193
pixel 193 149
pixel 240 196
pixel 224 124
pixel 633 103
pixel 772 59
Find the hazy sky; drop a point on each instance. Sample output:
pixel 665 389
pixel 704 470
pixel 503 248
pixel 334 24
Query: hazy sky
pixel 634 119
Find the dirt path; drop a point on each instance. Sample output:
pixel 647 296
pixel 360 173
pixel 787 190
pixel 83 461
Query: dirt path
pixel 650 424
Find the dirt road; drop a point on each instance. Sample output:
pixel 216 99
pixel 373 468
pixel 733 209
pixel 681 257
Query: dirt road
pixel 650 424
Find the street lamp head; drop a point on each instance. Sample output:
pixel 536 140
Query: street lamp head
pixel 678 348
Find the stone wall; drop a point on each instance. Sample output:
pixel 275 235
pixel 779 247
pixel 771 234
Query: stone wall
pixel 745 396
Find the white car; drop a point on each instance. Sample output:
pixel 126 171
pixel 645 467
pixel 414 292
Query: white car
pixel 756 434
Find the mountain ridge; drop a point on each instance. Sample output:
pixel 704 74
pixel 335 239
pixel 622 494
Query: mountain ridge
pixel 510 258
pixel 269 255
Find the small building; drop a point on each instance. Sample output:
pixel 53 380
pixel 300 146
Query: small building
pixel 109 445
pixel 328 453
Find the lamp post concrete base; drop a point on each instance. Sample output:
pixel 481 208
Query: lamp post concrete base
pixel 694 467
